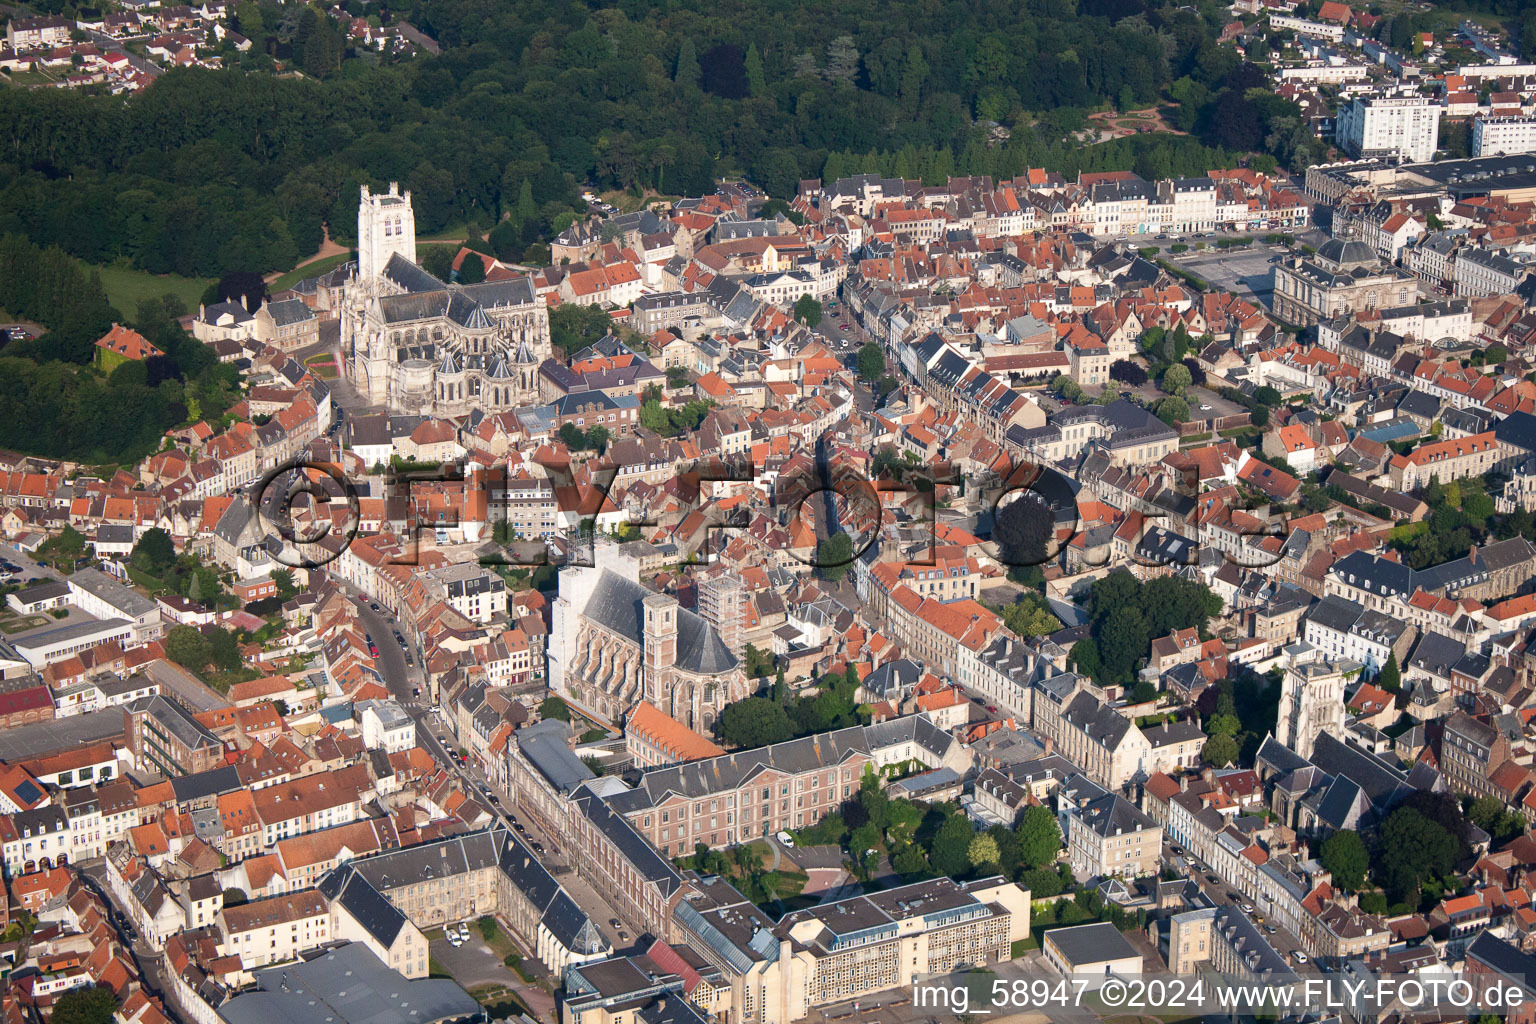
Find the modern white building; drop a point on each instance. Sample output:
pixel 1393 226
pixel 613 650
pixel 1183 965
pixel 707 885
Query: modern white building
pixel 386 726
pixel 1382 126
pixel 99 595
pixel 1503 136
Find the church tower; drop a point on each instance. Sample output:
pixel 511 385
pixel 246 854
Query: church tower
pixel 660 644
pixel 1311 702
pixel 385 225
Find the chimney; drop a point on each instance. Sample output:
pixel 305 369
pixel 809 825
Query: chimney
pixel 1050 745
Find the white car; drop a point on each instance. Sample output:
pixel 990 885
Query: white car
pixel 785 840
pixel 464 932
pixel 453 939
pixel 1298 956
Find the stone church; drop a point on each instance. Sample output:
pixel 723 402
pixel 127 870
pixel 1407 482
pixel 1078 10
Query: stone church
pixel 414 344
pixel 614 643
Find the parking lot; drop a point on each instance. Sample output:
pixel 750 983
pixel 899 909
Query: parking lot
pixel 1246 272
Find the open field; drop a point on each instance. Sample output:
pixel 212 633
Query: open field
pixel 127 287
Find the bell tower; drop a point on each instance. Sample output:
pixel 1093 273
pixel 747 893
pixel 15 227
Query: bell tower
pixel 660 641
pixel 385 225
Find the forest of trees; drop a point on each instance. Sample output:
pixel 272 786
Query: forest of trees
pixel 56 405
pixel 213 171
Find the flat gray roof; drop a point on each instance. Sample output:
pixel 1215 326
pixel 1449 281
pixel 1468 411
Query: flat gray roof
pixel 1091 943
pixel 347 985
pixel 42 738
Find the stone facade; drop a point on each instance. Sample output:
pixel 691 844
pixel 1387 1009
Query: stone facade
pixel 414 344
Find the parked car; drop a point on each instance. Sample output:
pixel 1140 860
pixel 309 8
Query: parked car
pixel 1298 956
pixel 453 939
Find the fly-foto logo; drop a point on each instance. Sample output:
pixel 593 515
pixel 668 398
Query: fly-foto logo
pixel 308 514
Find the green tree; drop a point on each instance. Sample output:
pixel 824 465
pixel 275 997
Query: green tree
pixel 1390 678
pixel 1219 751
pixel 1477 508
pixel 597 438
pixel 1223 725
pixel 808 310
pixel 755 722
pixel 154 552
pixel 687 70
pixel 554 707
pixel 1411 850
pixel 1176 379
pixel 983 851
pixel 871 361
pixel 1345 857
pixel 1038 835
pixel 834 556
pixel 471 269
pixel 283 578
pixel 951 850
pixel 757 84
pixel 187 647
pixel 437 260
pixel 235 897
pixel 1173 410
pixel 1065 387
pixel 1023 531
pixel 912 863
pixel 84 1006
pixel 63 550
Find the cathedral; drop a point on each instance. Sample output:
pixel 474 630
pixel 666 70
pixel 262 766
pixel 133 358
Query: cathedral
pixel 414 344
pixel 614 643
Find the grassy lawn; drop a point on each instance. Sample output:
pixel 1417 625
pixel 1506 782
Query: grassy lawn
pixel 127 287
pixel 27 78
pixel 153 584
pixel 322 365
pixel 309 270
pixel 23 623
pixel 499 1001
pixel 1024 945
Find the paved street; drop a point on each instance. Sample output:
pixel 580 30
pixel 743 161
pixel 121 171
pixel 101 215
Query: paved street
pixel 1248 272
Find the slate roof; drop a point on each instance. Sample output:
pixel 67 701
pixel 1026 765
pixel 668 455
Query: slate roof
pixel 411 276
pixel 1112 814
pixel 205 784
pixel 1381 783
pixel 655 868
pixel 369 907
pixel 618 604
pixel 289 311
pixel 347 985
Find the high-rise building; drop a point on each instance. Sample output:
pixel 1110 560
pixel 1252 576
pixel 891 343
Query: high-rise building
pixel 1385 126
